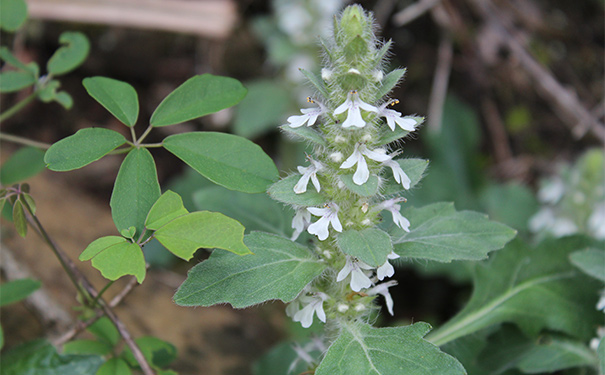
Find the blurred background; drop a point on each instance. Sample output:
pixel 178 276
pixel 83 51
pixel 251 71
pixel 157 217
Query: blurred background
pixel 512 92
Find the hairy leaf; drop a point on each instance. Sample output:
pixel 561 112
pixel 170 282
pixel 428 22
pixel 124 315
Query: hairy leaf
pixel 438 232
pixel 591 261
pixel 118 97
pixel 389 82
pixel 283 191
pixel 198 96
pixel 278 269
pixel 413 168
pixel 227 160
pixel 187 233
pixel 369 245
pixel 82 148
pixel 304 133
pixel 361 349
pixel 389 135
pixel 158 352
pixel 367 189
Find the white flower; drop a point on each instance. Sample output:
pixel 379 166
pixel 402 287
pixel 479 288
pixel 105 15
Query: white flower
pixel 312 304
pixel 309 172
pixel 357 157
pixel 355 267
pixel 393 117
pixel 309 115
pixel 300 222
pixel 329 215
pixel 601 302
pixel 383 289
pixel 353 105
pixel 386 270
pixel 393 207
pixel 398 173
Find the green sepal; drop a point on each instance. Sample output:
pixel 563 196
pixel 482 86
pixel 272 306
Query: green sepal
pixel 283 191
pixel 203 229
pixel 305 133
pixel 19 218
pixel 80 149
pixel 116 257
pixel 356 50
pixel 367 189
pixel 278 269
pixel 370 245
pixel 389 82
pixel 169 206
pixel 118 97
pixel 317 82
pixel 71 55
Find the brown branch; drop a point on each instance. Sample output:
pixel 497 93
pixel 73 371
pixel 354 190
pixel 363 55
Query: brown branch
pixel 445 54
pixel 563 101
pixel 413 11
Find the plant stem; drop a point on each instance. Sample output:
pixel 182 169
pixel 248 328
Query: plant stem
pixel 86 288
pixel 23 141
pixel 17 107
pixel 147 131
pixel 95 301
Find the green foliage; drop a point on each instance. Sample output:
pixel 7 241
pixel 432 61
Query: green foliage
pixel 590 261
pixel 135 191
pixel 198 96
pixel 304 133
pixel 389 82
pixel 278 361
pixel 187 233
pixel 225 159
pixel 115 257
pixel 86 347
pixel 414 168
pixel 11 81
pixel 169 206
pixel 512 204
pixel 71 55
pixel 114 366
pixel 368 189
pixel 439 232
pixel 317 82
pixel 16 290
pixel 262 109
pixel 19 218
pixel 370 245
pixel 118 97
pixel 158 352
pixel 535 288
pixel 256 212
pixel 278 269
pixel 361 349
pixel 23 164
pixel 41 358
pixel 389 135
pixel 82 148
pixel 283 191
pixel 13 15
pixel 105 331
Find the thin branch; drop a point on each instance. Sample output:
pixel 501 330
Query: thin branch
pixel 445 55
pixel 17 107
pixel 23 141
pixel 413 11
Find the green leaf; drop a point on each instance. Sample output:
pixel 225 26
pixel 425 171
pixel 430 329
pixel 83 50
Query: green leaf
pixel 361 349
pixel 9 58
pixel 168 206
pixel 283 191
pixel 105 331
pixel 82 148
pixel 202 229
pixel 368 189
pixel 64 99
pixel 279 359
pixel 197 97
pixel 591 262
pixel 601 355
pixel 317 83
pixel 438 232
pixel 304 133
pixel 86 347
pixel 16 290
pixel 129 233
pixel 262 109
pixel 535 288
pixel 370 245
pixel 71 55
pixel 389 82
pixel 39 357
pixel 158 352
pixel 135 191
pixel 115 257
pixel 256 212
pixel 19 218
pixel 414 168
pixel 509 348
pixel 14 13
pixel 47 92
pixel 389 135
pixel 227 160
pixel 118 97
pixel 23 164
pixel 114 366
pixel 278 269
pixel 11 81
pixel 512 204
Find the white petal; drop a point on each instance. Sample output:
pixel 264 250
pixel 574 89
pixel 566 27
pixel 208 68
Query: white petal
pixel 400 221
pixel 359 280
pixel 320 228
pixel 365 106
pixel 301 185
pixel 305 316
pixel 386 270
pixel 376 156
pixel 389 301
pixel 351 160
pixel 319 310
pixel 390 122
pixel 297 121
pixel 336 223
pixel 354 118
pixel 345 271
pixel 362 173
pixel 406 123
pixel 343 107
pixel 319 211
pixel 315 182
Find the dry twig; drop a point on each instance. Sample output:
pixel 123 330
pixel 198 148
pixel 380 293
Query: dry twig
pixel 413 11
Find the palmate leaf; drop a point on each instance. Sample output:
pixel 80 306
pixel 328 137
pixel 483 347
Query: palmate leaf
pixel 535 288
pixel 278 269
pixel 438 232
pixel 361 349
